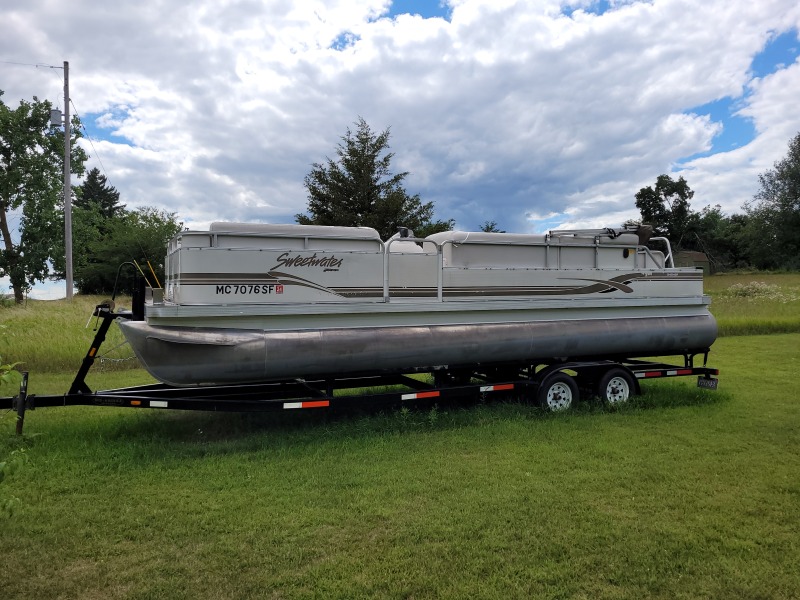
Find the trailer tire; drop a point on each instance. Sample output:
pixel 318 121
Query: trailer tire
pixel 557 392
pixel 616 386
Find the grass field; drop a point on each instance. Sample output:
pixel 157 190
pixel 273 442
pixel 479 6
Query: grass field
pixel 683 493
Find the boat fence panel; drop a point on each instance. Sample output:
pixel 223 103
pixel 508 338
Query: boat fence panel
pixel 413 275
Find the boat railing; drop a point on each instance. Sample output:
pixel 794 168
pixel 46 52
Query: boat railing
pixel 439 271
pixel 213 239
pixel 668 259
pixel 612 234
pixel 553 243
pixel 553 251
pixel 659 262
pixel 609 232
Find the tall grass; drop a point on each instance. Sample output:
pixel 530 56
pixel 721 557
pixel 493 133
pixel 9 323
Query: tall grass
pixel 755 303
pixel 53 336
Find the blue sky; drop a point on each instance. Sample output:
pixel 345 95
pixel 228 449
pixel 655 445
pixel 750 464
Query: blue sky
pixel 425 8
pixel 534 115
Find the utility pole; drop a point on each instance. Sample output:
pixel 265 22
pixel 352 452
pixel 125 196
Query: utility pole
pixel 67 185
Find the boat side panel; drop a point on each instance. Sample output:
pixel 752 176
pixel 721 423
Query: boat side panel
pixel 225 276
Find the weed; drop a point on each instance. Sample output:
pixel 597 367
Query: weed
pixel 433 416
pixel 755 304
pixel 8 373
pixel 53 336
pixel 8 466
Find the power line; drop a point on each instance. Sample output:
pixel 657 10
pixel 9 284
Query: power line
pixel 88 137
pixel 22 64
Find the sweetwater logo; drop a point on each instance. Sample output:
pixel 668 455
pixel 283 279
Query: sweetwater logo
pixel 328 263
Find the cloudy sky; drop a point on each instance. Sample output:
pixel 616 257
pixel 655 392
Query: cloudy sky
pixel 534 114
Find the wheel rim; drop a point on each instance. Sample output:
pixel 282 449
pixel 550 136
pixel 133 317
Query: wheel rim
pixel 617 390
pixel 559 396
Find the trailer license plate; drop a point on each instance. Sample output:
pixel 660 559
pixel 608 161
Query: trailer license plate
pixel 708 383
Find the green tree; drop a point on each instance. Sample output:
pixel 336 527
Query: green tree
pixel 95 206
pixel 773 234
pixel 140 235
pixel 491 227
pixel 666 208
pixel 89 228
pixel 722 238
pixel 359 189
pixel 31 180
pixel 95 191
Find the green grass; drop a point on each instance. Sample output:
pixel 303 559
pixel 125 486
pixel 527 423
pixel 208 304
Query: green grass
pixel 682 494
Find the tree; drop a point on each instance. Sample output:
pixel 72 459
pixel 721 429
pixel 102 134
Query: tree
pixel 774 230
pixel 666 208
pixel 31 180
pixel 89 228
pixel 95 206
pixel 491 227
pixel 140 235
pixel 95 191
pixel 359 189
pixel 722 238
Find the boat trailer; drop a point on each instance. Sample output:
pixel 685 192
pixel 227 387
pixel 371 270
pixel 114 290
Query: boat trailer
pixel 552 385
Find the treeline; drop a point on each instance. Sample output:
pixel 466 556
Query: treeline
pixel 766 235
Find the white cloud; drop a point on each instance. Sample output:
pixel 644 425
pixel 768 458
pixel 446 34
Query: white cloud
pixel 510 110
pixel 731 178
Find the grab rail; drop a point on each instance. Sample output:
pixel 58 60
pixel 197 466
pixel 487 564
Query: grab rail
pixel 439 270
pixel 668 260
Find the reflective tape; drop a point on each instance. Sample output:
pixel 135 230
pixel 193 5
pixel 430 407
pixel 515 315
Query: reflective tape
pixel 419 395
pixel 307 404
pixel 497 388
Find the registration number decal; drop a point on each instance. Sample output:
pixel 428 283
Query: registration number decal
pixel 247 288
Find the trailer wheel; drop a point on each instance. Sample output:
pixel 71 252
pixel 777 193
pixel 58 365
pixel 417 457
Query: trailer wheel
pixel 558 392
pixel 616 386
